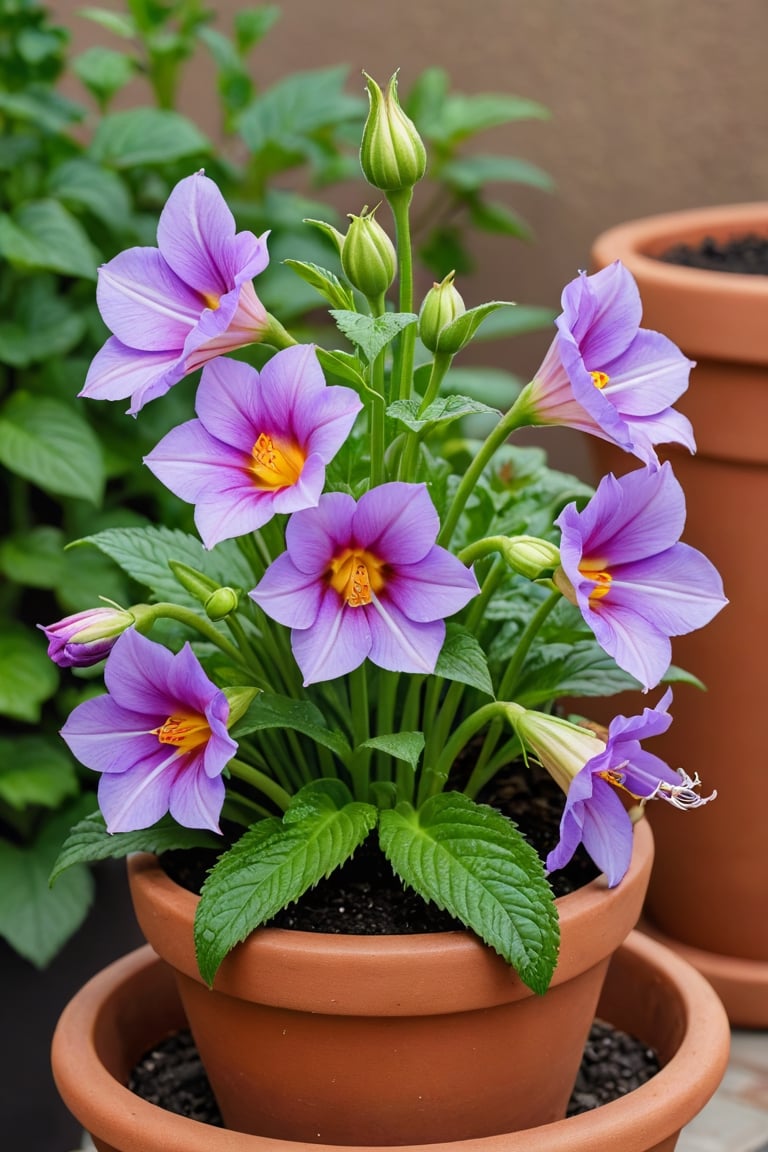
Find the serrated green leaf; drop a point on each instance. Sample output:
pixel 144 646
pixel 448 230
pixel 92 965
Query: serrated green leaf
pixel 461 658
pixel 272 711
pixel 147 136
pixel 372 333
pixel 33 558
pixel 89 840
pixel 43 234
pixel 33 919
pixel 27 676
pixel 470 860
pixel 270 866
pixel 33 771
pixel 407 746
pixel 49 443
pixel 326 283
pixel 441 411
pixel 473 173
pixel 342 364
pixel 144 553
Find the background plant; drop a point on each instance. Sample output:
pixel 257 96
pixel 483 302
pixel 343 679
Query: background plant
pixel 75 188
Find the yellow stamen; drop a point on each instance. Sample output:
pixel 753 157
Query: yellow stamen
pixel 210 300
pixel 275 463
pixel 617 779
pixel 603 581
pixel 184 730
pixel 355 575
pixel 600 379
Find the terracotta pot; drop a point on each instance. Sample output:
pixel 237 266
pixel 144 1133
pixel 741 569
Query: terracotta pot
pixel 649 992
pixel 710 881
pixel 412 1038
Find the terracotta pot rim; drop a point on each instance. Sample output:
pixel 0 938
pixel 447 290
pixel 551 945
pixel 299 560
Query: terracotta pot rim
pixel 116 1115
pixel 300 956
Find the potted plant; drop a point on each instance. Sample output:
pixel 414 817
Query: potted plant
pixel 291 693
pixel 717 318
pixel 649 991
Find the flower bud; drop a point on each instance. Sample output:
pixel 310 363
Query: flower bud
pixel 531 557
pixel 442 304
pixel 84 639
pixel 220 604
pixel 239 700
pixel 368 256
pixel 392 154
pixel 559 746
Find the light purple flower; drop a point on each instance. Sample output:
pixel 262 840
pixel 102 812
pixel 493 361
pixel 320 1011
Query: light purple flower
pixel 260 445
pixel 594 814
pixel 159 738
pixel 634 583
pixel 365 579
pixel 606 375
pixel 81 640
pixel 174 307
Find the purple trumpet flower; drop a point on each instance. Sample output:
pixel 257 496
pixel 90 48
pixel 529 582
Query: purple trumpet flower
pixel 174 307
pixel 634 583
pixel 84 639
pixel 159 738
pixel 260 445
pixel 594 814
pixel 365 579
pixel 606 375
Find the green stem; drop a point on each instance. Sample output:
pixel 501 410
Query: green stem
pixel 262 782
pixel 438 372
pixel 361 757
pixel 400 202
pixel 434 779
pixel 148 613
pixel 378 405
pixel 509 680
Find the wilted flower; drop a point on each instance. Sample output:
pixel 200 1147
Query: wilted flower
pixel 623 566
pixel 605 374
pixel 159 738
pixel 174 307
pixel 260 445
pixel 590 770
pixel 85 638
pixel 365 579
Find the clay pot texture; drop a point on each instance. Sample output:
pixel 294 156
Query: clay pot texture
pixel 709 887
pixel 649 992
pixel 390 1039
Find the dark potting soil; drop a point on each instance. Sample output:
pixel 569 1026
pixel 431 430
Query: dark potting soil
pixel 743 254
pixel 172 1077
pixel 364 897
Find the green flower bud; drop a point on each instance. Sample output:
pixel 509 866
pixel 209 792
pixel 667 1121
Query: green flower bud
pixel 442 304
pixel 392 154
pixel 239 700
pixel 368 256
pixel 220 604
pixel 531 557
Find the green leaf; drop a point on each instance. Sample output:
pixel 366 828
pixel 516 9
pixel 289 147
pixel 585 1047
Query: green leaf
pixel 440 411
pixel 326 283
pixel 491 387
pixel 272 711
pixel 32 771
pixel 461 658
pixel 297 107
pixel 144 553
pixel 104 71
pixel 34 920
pixel 470 860
pixel 118 22
pixel 407 746
pixel 252 25
pixel 43 234
pixel 463 116
pixel 49 443
pixel 491 216
pixel 516 321
pixel 82 183
pixel 147 136
pixel 676 675
pixel 27 676
pixel 273 864
pixel 33 558
pixel 372 333
pixel 473 173
pixel 580 669
pixel 342 364
pixel 460 331
pixel 89 840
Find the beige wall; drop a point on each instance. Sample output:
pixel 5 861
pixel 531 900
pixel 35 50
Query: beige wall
pixel 657 105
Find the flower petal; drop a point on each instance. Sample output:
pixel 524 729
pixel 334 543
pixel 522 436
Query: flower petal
pixel 228 404
pixel 144 302
pixel 315 535
pixel 137 673
pixel 435 587
pixel 397 522
pixel 648 377
pixel 288 595
pixel 139 797
pixel 107 738
pixel 337 643
pixel 196 799
pixel 607 832
pixel 117 371
pixel 602 313
pixel 401 645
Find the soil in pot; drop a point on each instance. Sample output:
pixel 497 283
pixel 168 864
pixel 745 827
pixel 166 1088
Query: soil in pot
pixel 744 255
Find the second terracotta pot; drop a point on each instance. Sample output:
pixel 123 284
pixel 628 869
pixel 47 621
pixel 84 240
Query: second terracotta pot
pixel 390 1040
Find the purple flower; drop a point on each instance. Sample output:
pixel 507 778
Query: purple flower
pixel 594 814
pixel 624 568
pixel 608 376
pixel 174 307
pixel 260 445
pixel 87 637
pixel 159 738
pixel 365 579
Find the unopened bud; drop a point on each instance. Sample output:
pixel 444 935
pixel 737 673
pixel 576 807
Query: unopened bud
pixel 84 639
pixel 531 557
pixel 392 154
pixel 239 700
pixel 368 256
pixel 220 604
pixel 442 304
